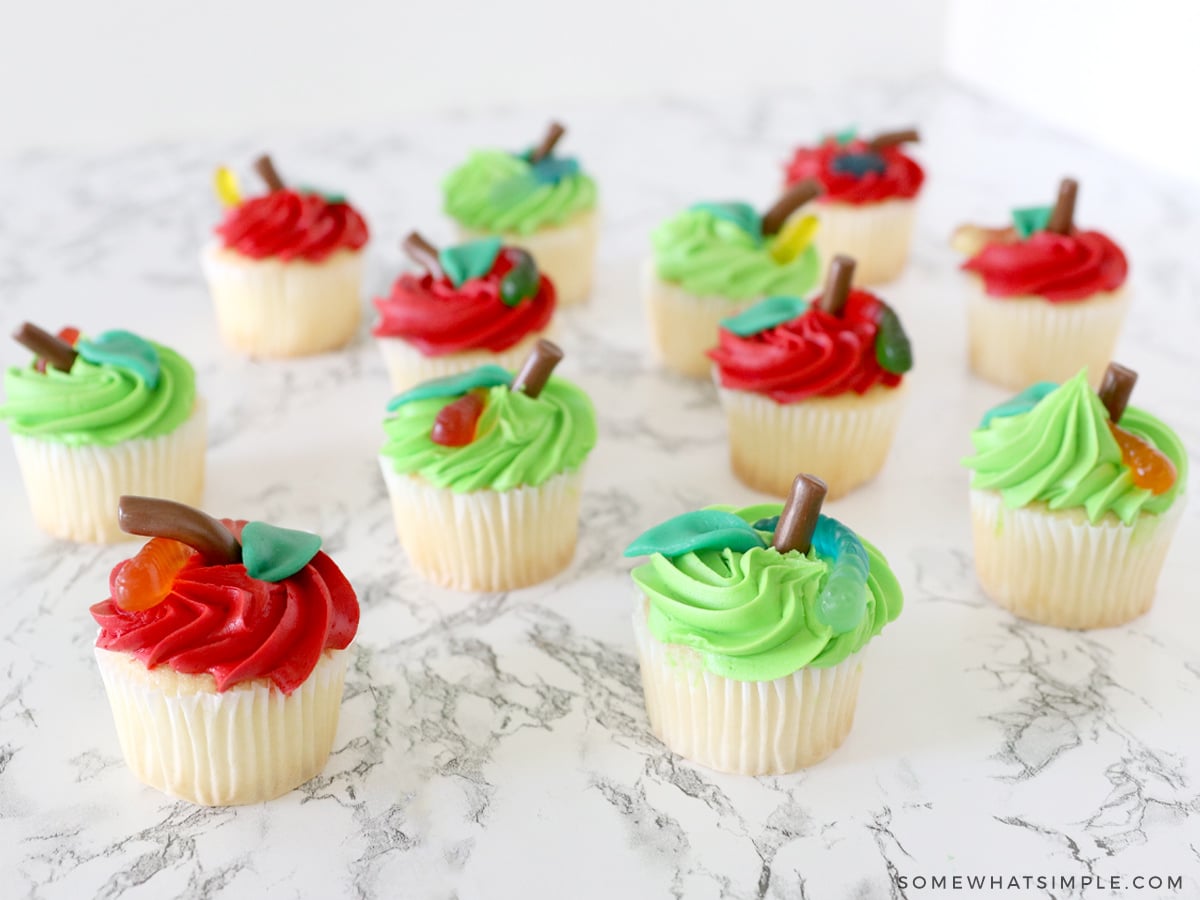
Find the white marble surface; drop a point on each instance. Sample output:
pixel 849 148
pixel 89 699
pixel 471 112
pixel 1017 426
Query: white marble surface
pixel 496 746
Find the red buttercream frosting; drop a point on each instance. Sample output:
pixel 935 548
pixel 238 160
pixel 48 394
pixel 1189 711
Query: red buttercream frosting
pixel 438 318
pixel 1056 267
pixel 217 619
pixel 289 224
pixel 902 179
pixel 813 355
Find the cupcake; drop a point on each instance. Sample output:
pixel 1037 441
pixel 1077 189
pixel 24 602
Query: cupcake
pixel 223 652
pixel 1074 499
pixel 819 386
pixel 750 628
pixel 536 200
pixel 1046 299
pixel 716 259
pixel 485 473
pixel 478 303
pixel 868 204
pixel 285 269
pixel 95 418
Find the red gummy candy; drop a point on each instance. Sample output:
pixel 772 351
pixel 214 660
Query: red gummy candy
pixel 455 424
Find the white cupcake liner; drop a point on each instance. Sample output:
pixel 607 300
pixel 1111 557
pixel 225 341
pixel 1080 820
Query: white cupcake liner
pixel 877 235
pixel 744 727
pixel 683 327
pixel 247 744
pixel 486 540
pixel 843 440
pixel 1015 341
pixel 1057 568
pixel 407 366
pixel 73 489
pixel 566 254
pixel 268 307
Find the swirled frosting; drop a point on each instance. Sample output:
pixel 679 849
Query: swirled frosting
pixel 1061 452
pixel 519 440
pixel 1056 267
pixel 752 615
pixel 900 179
pixel 711 256
pixel 219 620
pixel 497 192
pixel 438 318
pixel 813 355
pixel 99 404
pixel 291 224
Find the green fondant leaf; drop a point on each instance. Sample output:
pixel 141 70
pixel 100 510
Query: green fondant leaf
pixel 327 196
pixel 1021 403
pixel 1031 220
pixel 453 385
pixel 846 135
pixel 473 259
pixel 743 215
pixel 271 553
pixel 125 350
pixel 705 529
pixel 765 314
pixel 553 169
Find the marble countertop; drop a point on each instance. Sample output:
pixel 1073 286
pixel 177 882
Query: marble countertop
pixel 497 745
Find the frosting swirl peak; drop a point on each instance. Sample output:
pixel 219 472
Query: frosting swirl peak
pixel 291 224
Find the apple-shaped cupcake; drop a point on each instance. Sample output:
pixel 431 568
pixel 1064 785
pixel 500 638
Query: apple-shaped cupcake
pixel 867 207
pixel 1046 299
pixel 285 270
pixel 477 303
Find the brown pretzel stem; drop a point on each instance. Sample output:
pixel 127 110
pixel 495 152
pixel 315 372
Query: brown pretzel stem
pixel 893 139
pixel 793 198
pixel 53 349
pixel 267 172
pixel 799 517
pixel 837 285
pixel 538 366
pixel 546 147
pixel 152 517
pixel 423 253
pixel 1115 390
pixel 1062 218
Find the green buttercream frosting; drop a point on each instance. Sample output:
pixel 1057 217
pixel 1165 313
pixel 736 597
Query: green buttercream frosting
pixel 499 192
pixel 99 403
pixel 712 255
pixel 1059 451
pixel 753 615
pixel 519 440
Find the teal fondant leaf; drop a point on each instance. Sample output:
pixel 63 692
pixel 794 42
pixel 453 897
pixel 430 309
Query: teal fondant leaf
pixel 553 169
pixel 125 350
pixel 704 529
pixel 1021 403
pixel 473 259
pixel 1031 219
pixel 846 135
pixel 765 314
pixel 453 385
pixel 327 196
pixel 271 553
pixel 743 215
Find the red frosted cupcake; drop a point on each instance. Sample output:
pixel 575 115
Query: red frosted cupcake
pixel 285 271
pixel 812 386
pixel 476 304
pixel 223 653
pixel 868 206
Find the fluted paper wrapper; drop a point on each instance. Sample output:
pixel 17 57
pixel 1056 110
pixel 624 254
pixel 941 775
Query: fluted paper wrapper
pixel 247 744
pixel 268 307
pixel 407 366
pixel 73 490
pixel 486 540
pixel 566 254
pixel 744 727
pixel 683 327
pixel 1057 568
pixel 877 235
pixel 1016 341
pixel 843 440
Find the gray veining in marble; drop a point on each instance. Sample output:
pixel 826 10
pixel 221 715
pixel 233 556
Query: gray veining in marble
pixel 497 746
